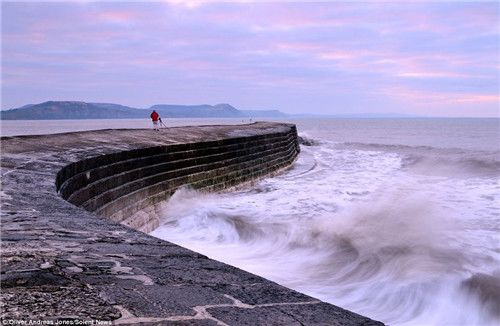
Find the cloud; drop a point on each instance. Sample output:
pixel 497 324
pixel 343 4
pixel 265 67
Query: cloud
pixel 254 53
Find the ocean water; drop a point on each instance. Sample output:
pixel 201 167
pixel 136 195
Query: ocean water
pixel 40 127
pixel 398 220
pixel 395 219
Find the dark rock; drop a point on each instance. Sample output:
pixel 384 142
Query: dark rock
pixel 31 279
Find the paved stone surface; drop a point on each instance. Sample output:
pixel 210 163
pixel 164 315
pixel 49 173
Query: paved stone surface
pixel 60 261
pixel 299 313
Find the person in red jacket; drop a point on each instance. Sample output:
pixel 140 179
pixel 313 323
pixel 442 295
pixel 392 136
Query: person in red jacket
pixel 155 117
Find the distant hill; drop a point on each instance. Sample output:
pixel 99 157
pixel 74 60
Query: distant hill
pixel 264 114
pixel 197 111
pixel 53 110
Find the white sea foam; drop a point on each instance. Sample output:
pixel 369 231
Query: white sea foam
pixel 394 219
pixel 358 227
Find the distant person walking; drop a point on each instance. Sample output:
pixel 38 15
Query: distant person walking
pixel 156 118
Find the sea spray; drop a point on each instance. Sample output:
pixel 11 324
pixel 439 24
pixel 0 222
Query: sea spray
pixel 391 258
pixel 401 233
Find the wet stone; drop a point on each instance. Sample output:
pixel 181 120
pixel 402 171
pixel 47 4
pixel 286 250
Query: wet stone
pixel 311 314
pixel 42 303
pixel 190 322
pixel 155 301
pixel 32 278
pixel 262 293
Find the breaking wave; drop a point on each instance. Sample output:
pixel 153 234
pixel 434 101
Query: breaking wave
pixel 453 166
pixel 403 234
pixel 439 161
pixel 306 141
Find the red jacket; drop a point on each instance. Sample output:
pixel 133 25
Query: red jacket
pixel 154 116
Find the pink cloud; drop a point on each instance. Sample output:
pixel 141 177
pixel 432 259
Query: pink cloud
pixel 116 16
pixel 419 97
pixel 384 61
pixel 381 51
pixel 275 17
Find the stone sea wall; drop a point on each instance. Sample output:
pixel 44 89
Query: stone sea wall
pixel 126 186
pixel 72 208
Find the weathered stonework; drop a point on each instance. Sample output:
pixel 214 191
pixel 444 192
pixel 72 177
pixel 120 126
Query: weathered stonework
pixel 126 186
pixel 62 260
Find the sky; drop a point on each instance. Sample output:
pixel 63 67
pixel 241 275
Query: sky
pixel 419 58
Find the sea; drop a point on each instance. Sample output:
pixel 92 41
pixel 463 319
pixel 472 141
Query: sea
pixel 394 219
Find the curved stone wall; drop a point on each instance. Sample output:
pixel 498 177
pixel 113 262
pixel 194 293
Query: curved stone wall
pixel 126 186
pixel 62 261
